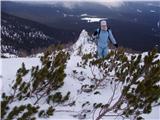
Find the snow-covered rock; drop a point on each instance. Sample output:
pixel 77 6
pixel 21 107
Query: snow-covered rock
pixel 83 44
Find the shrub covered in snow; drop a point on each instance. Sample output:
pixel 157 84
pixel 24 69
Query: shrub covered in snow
pixel 137 80
pixel 42 86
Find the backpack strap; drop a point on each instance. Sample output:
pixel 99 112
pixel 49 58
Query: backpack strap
pixel 108 29
pixel 99 30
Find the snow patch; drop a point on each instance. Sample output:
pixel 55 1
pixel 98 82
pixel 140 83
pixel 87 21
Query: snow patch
pixel 9 55
pixel 82 15
pixel 138 10
pixel 158 24
pixel 89 19
pixel 151 4
pixel 65 15
pixel 152 11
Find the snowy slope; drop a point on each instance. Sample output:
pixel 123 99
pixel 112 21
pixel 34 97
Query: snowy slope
pixel 71 83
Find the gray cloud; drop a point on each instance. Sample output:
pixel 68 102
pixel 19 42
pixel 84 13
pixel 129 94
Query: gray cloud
pixel 73 3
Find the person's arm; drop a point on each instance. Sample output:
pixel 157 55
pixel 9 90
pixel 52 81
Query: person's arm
pixel 111 37
pixel 94 34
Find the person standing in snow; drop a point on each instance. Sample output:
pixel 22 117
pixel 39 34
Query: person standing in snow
pixel 104 34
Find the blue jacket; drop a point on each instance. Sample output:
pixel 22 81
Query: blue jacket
pixel 104 37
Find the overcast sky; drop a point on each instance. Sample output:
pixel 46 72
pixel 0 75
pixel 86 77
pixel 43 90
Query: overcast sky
pixel 84 0
pixel 110 3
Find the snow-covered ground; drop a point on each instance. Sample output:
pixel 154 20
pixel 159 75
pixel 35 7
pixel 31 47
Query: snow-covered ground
pixel 9 67
pixel 92 19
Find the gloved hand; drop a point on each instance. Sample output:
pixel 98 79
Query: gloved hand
pixel 93 38
pixel 116 45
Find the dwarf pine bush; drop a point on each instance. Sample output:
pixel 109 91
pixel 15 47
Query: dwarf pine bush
pixel 44 81
pixel 137 76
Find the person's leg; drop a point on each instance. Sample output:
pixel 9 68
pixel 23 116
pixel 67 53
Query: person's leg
pixel 105 52
pixel 100 50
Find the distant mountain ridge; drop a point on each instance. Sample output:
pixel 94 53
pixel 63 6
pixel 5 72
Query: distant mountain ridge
pixel 20 34
pixel 134 24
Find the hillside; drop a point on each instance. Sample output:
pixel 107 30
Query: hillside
pixel 22 35
pixel 84 97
